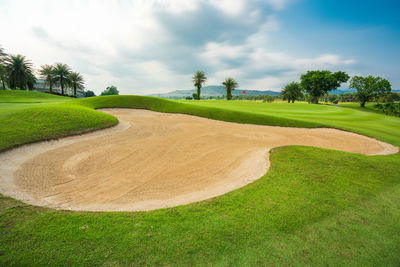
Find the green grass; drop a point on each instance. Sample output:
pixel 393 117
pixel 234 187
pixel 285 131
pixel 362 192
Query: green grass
pixel 17 96
pixel 313 207
pixel 385 128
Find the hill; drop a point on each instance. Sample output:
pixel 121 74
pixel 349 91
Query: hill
pixel 219 90
pixel 213 90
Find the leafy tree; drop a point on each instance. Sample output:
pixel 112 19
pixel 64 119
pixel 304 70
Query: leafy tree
pixel 292 91
pixel 268 98
pixel 76 81
pixel 230 84
pixel 199 79
pixel 20 72
pixel 391 97
pixel 3 75
pixel 47 72
pixel 194 96
pixel 89 93
pixel 369 87
pixel 111 90
pixel 319 82
pixel 332 98
pixel 61 72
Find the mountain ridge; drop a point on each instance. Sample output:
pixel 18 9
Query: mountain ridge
pixel 219 90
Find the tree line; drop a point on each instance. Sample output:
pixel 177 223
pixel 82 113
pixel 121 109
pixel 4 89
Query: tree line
pixel 314 85
pixel 317 85
pixel 16 72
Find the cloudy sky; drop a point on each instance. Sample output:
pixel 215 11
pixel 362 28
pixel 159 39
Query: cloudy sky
pixel 149 46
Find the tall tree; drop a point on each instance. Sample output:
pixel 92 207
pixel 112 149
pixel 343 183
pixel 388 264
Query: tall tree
pixel 3 55
pixel 319 82
pixel 291 92
pixel 3 70
pixel 199 79
pixel 369 87
pixel 47 72
pixel 61 75
pixel 31 81
pixel 20 72
pixel 230 84
pixel 76 81
pixel 3 75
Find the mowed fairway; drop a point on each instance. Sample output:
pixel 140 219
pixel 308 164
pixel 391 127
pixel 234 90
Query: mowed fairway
pixel 313 207
pixel 386 128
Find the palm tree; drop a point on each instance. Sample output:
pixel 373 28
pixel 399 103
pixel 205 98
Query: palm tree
pixel 230 84
pixel 3 75
pixel 48 74
pixel 291 92
pixel 31 81
pixel 3 55
pixel 3 70
pixel 20 73
pixel 199 79
pixel 76 81
pixel 61 75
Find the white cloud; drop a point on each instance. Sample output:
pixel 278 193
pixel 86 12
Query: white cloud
pixel 323 61
pixel 230 7
pixel 130 44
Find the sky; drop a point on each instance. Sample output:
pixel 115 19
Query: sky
pixel 155 46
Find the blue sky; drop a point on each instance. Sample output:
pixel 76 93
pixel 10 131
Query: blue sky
pixel 152 46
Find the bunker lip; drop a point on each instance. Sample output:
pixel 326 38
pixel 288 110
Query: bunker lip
pixel 154 160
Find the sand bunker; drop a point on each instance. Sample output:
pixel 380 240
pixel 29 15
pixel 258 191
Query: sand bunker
pixel 153 160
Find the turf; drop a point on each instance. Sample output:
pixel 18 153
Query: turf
pixel 385 128
pixel 313 207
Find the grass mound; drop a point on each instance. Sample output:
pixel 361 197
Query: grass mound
pixel 49 122
pixel 164 105
pixel 19 96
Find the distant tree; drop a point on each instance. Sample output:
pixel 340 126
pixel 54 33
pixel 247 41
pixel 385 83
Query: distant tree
pixel 76 81
pixel 194 95
pixel 111 90
pixel 319 82
pixel 47 73
pixel 292 91
pixel 3 76
pixel 3 55
pixel 61 72
pixel 188 98
pixel 332 98
pixel 268 98
pixel 391 97
pixel 89 93
pixel 369 87
pixel 3 70
pixel 199 79
pixel 230 84
pixel 31 81
pixel 19 71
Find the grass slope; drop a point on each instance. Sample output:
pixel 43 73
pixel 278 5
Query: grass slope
pixel 17 96
pixel 314 206
pixel 385 128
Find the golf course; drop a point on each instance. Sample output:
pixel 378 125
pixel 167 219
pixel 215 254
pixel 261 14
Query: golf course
pixel 208 182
